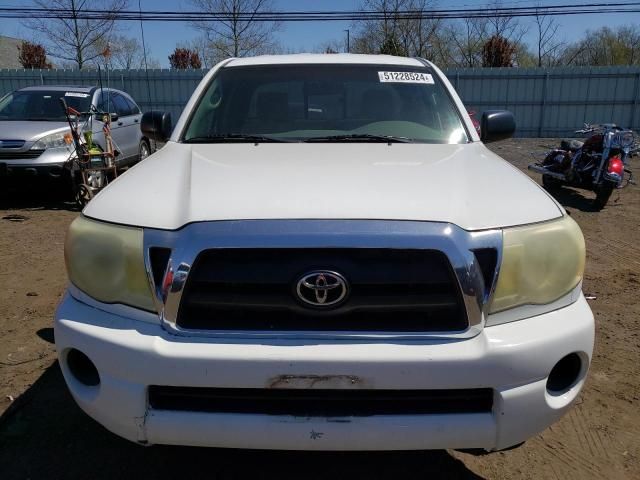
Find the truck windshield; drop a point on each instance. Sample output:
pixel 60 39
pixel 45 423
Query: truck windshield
pixel 325 103
pixel 43 105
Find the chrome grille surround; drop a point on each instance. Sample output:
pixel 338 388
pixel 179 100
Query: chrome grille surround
pixel 457 244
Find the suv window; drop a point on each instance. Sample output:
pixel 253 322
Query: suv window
pixel 105 102
pixel 301 102
pixel 122 107
pixel 133 108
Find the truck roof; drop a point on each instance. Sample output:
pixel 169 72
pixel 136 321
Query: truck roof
pixel 325 58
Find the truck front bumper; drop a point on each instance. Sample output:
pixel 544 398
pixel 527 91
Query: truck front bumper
pixel 513 359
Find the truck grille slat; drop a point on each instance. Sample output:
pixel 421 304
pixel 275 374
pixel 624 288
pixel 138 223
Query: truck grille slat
pixel 390 290
pixel 427 302
pixel 320 402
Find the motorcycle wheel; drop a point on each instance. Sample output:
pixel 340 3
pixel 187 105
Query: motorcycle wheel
pixel 602 196
pixel 551 184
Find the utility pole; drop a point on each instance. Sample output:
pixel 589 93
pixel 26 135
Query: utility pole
pixel 348 46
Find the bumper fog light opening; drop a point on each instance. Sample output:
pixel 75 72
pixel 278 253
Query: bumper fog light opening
pixel 82 368
pixel 564 374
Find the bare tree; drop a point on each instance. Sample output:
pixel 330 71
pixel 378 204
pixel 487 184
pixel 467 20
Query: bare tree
pixel 395 31
pixel 629 42
pixel 460 43
pixel 422 31
pixel 205 51
pixel 502 25
pixel 76 39
pixel 237 33
pixel 606 47
pixel 463 41
pixel 213 51
pixel 523 56
pixel 547 44
pixel 371 35
pixel 120 52
pixel 127 53
pixel 330 46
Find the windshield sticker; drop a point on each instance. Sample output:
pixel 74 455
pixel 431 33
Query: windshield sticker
pixel 76 94
pixel 405 77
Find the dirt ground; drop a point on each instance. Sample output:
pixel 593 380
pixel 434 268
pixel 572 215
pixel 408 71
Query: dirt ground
pixel 43 434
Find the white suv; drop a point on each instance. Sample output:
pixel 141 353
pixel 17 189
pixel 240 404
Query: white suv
pixel 325 256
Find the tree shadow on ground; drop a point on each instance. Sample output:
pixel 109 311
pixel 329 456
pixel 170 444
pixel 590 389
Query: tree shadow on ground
pixel 45 435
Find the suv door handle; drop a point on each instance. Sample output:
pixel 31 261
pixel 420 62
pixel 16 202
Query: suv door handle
pixel 120 124
pixel 136 120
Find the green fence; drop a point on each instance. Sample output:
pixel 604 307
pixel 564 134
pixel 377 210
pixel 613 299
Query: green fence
pixel 546 102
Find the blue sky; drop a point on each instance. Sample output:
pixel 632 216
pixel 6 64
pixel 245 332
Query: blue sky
pixel 162 38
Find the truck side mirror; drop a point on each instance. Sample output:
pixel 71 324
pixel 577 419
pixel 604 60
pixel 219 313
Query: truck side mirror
pixel 156 125
pixel 497 125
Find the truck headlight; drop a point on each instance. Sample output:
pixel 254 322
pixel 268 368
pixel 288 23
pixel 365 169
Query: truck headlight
pixel 55 140
pixel 106 262
pixel 540 264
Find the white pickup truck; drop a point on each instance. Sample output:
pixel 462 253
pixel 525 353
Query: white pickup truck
pixel 325 256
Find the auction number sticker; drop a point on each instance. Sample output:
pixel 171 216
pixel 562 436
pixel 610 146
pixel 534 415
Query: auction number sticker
pixel 405 77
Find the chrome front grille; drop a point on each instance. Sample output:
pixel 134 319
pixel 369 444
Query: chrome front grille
pixel 390 290
pixel 11 143
pixel 413 279
pixel 12 155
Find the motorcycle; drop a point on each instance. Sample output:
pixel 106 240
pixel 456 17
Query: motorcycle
pixel 598 164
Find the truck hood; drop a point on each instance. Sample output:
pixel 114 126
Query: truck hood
pixel 29 130
pixel 462 184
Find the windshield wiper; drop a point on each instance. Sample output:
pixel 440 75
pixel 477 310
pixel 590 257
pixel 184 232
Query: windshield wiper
pixel 233 137
pixel 367 137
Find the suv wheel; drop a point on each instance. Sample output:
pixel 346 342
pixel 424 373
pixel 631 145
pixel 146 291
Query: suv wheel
pixel 144 150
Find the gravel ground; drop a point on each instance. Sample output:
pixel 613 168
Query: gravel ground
pixel 43 434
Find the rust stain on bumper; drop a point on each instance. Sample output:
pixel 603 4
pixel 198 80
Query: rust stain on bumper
pixel 314 381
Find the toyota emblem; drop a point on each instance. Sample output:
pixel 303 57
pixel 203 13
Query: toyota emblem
pixel 322 288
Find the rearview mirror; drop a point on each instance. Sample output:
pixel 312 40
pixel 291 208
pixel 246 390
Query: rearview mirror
pixel 156 125
pixel 497 125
